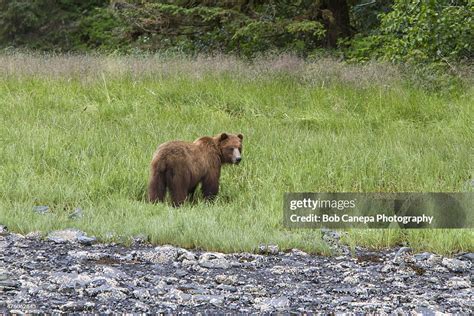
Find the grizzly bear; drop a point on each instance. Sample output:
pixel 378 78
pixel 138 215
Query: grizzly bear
pixel 180 166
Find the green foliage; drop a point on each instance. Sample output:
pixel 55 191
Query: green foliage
pixel 20 17
pixel 45 24
pixel 241 27
pixel 101 30
pixel 428 30
pixel 365 15
pixel 421 31
pixel 224 27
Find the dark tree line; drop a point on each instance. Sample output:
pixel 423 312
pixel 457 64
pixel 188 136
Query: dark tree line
pixel 392 29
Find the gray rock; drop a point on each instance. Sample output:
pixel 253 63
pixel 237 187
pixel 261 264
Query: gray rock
pixel 273 249
pixel 402 251
pixel 423 256
pixel 274 303
pixel 227 288
pixel 329 234
pixel 184 254
pixel 226 279
pixel 268 249
pixel 425 311
pixel 212 299
pixel 89 305
pixel 3 230
pixel 71 280
pixel 111 296
pixel 351 279
pixel 181 273
pixel 72 307
pixel 84 240
pixel 283 270
pixel 188 263
pixel 344 290
pixel 389 267
pixel 141 294
pixel 76 213
pixel 456 265
pixel 262 249
pixel 140 239
pixel 254 290
pixel 41 209
pixel 9 285
pixel 298 252
pixel 468 256
pixel 160 255
pixel 64 278
pixel 459 283
pixel 346 299
pixel 142 307
pixel 433 280
pixel 92 255
pixel 469 184
pixel 66 235
pixel 213 260
pixel 106 288
pixel 34 235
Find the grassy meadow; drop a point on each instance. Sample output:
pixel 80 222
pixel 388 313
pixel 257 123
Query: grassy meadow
pixel 80 131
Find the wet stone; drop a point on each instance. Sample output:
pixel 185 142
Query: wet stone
pixel 456 265
pixel 3 230
pixel 41 209
pixel 214 261
pixel 72 278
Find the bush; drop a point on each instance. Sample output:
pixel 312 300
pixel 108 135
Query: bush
pixel 421 31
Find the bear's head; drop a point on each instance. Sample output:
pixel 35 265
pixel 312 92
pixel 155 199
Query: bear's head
pixel 230 147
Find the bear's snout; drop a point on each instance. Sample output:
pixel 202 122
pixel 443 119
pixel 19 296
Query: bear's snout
pixel 237 160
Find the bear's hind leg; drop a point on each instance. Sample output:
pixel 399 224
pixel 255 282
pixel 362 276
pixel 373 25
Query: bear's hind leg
pixel 191 193
pixel 157 187
pixel 178 196
pixel 178 185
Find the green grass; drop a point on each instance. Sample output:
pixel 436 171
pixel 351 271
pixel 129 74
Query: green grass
pixel 80 132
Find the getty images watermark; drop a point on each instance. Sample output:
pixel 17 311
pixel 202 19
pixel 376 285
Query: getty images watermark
pixel 379 210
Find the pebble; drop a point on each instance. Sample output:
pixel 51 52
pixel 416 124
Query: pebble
pixel 63 275
pixel 214 260
pixel 41 209
pixel 400 253
pixel 66 235
pixel 76 213
pixel 423 256
pixel 456 265
pixel 3 230
pixel 226 279
pixel 468 256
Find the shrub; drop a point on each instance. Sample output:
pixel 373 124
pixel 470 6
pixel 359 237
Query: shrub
pixel 421 31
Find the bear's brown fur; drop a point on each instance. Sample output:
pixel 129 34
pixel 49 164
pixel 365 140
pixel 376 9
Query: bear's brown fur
pixel 180 166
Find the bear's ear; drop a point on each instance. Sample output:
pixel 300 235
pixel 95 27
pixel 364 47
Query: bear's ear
pixel 223 136
pixel 240 136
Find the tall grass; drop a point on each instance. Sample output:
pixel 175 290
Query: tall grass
pixel 79 132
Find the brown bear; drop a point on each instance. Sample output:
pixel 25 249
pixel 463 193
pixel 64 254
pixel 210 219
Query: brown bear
pixel 180 166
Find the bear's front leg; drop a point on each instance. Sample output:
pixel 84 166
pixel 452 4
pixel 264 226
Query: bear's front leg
pixel 210 186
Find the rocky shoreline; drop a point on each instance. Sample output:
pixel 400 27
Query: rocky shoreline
pixel 69 273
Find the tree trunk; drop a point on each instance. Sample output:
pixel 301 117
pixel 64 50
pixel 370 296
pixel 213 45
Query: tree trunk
pixel 337 21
